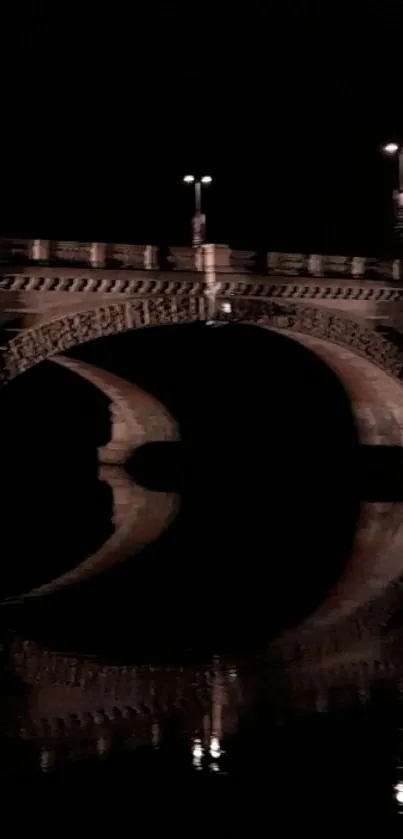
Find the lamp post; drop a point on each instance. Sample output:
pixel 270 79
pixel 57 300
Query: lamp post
pixel 393 149
pixel 199 220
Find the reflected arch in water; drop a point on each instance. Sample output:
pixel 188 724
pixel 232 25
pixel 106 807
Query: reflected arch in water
pixel 377 402
pixel 243 496
pixel 231 514
pixel 48 339
pixel 52 423
pixel 140 515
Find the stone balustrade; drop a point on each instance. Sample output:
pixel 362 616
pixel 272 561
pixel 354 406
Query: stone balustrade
pixel 24 252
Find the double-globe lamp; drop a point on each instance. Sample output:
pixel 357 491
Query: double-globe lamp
pixel 198 184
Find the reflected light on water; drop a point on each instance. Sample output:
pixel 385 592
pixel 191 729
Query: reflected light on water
pixel 197 752
pixel 155 735
pixel 102 746
pixel 46 759
pixel 399 793
pixel 215 748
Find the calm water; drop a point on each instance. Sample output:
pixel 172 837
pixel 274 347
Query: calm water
pixel 267 442
pixel 329 767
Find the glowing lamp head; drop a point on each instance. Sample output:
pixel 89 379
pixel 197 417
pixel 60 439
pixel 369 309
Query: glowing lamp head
pixel 206 179
pixel 188 179
pixel 391 148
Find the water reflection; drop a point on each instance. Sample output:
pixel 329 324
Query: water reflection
pixel 198 753
pixel 71 708
pixel 398 785
pixel 56 532
pixel 399 793
pixel 138 516
pixel 240 470
pixel 151 720
pixel 242 558
pixel 55 511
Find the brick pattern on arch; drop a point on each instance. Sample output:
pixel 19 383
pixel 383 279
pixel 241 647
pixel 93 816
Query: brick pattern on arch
pixel 319 323
pixel 38 343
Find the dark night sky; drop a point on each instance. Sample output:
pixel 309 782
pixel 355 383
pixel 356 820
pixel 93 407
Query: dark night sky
pixel 105 107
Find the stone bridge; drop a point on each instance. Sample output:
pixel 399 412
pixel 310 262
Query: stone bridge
pixel 43 282
pixel 349 311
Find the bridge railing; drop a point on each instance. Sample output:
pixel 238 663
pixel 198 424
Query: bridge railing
pixel 224 260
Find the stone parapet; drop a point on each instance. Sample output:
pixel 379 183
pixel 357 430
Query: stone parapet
pixel 137 257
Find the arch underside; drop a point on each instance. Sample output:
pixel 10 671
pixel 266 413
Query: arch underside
pixel 377 560
pixel 137 417
pixel 371 370
pixel 139 514
pixel 60 334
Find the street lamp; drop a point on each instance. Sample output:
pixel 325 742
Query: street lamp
pixel 393 149
pixel 204 181
pixel 199 220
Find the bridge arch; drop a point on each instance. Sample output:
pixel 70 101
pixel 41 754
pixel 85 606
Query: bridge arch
pixel 140 515
pixel 137 417
pixel 315 327
pixel 338 340
pixel 57 335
